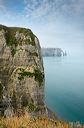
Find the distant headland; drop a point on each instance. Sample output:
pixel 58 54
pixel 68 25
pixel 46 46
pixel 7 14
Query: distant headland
pixel 53 52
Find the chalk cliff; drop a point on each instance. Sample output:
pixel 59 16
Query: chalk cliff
pixel 21 72
pixel 53 52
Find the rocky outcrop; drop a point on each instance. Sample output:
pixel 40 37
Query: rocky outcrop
pixel 53 52
pixel 21 72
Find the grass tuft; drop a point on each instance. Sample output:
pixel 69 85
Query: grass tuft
pixel 35 122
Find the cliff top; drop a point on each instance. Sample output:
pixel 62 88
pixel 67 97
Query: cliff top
pixel 12 32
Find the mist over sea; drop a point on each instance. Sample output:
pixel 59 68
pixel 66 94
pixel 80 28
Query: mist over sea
pixel 64 86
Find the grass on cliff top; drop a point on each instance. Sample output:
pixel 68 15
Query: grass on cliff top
pixel 34 122
pixel 10 35
pixel 11 41
pixel 11 31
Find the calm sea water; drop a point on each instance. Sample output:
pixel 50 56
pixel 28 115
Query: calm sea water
pixel 64 90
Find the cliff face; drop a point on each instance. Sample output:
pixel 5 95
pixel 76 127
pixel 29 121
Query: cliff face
pixel 53 52
pixel 21 72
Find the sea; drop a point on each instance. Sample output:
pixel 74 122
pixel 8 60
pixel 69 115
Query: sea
pixel 64 87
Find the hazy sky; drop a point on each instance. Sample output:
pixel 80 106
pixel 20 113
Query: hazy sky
pixel 57 23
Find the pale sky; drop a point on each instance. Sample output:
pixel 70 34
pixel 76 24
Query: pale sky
pixel 57 23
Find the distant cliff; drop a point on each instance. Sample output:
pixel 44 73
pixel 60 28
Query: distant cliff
pixel 53 52
pixel 21 72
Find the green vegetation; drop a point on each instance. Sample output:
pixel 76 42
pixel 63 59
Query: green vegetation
pixel 37 74
pixel 12 41
pixel 3 27
pixel 11 31
pixel 28 102
pixel 13 51
pixel 27 32
pixel 2 126
pixel 31 107
pixel 24 73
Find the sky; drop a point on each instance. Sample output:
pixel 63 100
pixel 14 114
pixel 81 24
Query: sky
pixel 57 23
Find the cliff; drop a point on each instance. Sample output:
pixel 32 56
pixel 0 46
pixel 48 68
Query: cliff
pixel 53 52
pixel 21 72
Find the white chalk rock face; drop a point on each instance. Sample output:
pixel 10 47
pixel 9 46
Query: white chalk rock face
pixel 21 72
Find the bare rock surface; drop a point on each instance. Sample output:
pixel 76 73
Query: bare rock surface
pixel 21 72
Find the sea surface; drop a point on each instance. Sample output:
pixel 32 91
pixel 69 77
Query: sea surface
pixel 64 87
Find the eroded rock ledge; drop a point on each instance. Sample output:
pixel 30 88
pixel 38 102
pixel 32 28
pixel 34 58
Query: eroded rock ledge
pixel 21 72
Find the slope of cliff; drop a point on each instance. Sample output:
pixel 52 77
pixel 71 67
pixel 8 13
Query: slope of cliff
pixel 21 72
pixel 27 121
